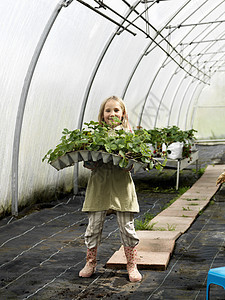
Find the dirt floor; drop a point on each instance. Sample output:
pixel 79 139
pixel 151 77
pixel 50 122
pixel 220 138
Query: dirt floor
pixel 42 252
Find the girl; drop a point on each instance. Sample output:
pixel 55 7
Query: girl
pixel 111 188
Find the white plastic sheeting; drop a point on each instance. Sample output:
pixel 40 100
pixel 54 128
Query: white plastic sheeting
pixel 167 62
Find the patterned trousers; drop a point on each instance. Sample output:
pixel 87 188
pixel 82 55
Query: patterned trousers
pixel 125 222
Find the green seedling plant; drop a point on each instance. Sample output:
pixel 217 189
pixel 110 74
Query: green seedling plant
pixel 181 191
pixel 186 208
pixel 144 224
pixel 169 228
pixel 139 225
pixel 200 212
pixel 128 145
pixel 171 134
pixel 98 137
pixel 160 229
pixel 199 172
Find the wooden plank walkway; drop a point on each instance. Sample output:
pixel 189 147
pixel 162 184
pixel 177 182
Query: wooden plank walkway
pixel 156 246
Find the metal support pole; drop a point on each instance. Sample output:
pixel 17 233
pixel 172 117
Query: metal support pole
pixel 197 167
pixel 178 174
pixel 88 89
pixel 22 103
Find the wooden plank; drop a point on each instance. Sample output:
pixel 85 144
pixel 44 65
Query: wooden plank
pixel 150 255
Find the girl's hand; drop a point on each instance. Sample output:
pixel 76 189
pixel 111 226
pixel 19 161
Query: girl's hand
pixel 128 169
pixel 221 179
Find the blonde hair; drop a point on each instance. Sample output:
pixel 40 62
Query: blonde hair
pixel 123 107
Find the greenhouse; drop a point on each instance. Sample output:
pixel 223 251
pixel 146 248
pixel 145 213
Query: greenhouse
pixel 161 64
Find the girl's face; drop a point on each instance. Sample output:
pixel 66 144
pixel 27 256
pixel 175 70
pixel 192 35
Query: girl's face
pixel 112 109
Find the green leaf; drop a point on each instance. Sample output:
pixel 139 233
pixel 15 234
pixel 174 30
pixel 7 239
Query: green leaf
pixel 121 153
pixel 65 131
pixel 123 163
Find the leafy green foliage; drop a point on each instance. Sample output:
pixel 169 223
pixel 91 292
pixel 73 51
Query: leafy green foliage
pixel 169 135
pixel 143 224
pixel 199 172
pixel 181 191
pixel 103 138
pixel 128 145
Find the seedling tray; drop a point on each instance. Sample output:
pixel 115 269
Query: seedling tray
pixel 70 158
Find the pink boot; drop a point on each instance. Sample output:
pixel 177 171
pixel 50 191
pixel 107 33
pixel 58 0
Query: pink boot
pixel 90 266
pixel 131 255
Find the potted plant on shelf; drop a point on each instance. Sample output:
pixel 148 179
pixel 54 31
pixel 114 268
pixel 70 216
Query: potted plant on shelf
pixel 172 142
pixel 156 140
pixel 189 143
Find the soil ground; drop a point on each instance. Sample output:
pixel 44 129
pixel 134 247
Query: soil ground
pixel 43 251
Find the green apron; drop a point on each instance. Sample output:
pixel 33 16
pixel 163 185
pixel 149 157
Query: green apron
pixel 110 188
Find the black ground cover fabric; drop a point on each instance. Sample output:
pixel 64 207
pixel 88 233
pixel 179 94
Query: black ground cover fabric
pixel 42 252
